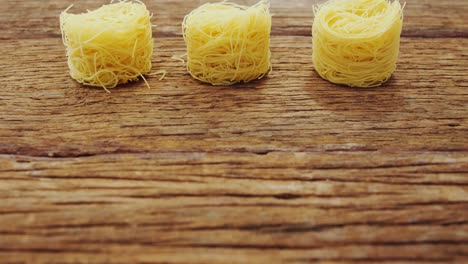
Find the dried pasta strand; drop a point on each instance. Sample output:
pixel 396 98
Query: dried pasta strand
pixel 228 43
pixel 357 42
pixel 109 46
pixel 163 74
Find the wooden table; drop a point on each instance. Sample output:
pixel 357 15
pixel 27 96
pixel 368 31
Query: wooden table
pixel 289 169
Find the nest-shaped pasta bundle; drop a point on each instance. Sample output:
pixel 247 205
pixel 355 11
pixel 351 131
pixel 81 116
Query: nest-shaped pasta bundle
pixel 357 42
pixel 108 46
pixel 228 43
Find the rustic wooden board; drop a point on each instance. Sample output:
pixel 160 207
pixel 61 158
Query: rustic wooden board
pixel 289 169
pixel 428 18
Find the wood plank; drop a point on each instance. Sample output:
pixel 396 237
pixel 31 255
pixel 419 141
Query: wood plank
pixel 428 18
pixel 289 169
pixel 346 207
pixel 153 254
pixel 179 114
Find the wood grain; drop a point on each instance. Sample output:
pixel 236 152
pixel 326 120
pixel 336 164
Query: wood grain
pixel 289 169
pixel 39 19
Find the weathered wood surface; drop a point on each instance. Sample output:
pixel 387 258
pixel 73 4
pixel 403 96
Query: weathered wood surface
pixel 290 169
pixel 34 19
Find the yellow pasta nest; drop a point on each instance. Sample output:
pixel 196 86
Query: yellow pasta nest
pixel 357 42
pixel 108 46
pixel 228 43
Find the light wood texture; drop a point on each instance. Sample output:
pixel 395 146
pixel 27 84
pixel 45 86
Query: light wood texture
pixel 289 169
